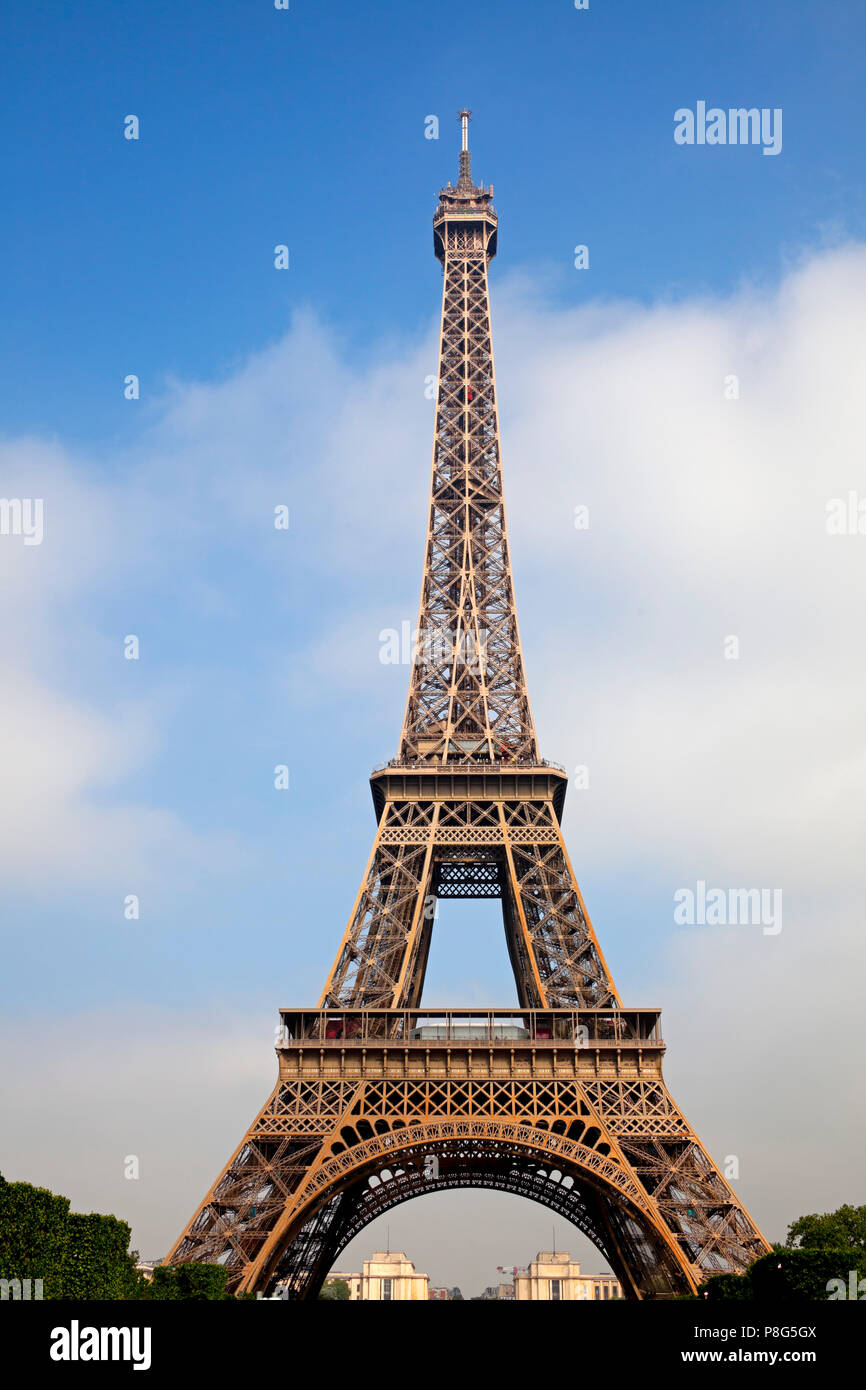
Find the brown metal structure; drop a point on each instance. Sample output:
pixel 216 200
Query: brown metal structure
pixel 560 1099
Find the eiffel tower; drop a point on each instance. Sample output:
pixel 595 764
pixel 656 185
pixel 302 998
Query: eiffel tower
pixel 560 1098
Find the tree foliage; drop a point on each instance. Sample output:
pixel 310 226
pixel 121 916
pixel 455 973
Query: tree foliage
pixel 97 1261
pixel 803 1276
pixel 75 1256
pixel 843 1229
pixel 85 1256
pixel 199 1282
pixel 335 1291
pixel 792 1276
pixel 726 1287
pixel 32 1235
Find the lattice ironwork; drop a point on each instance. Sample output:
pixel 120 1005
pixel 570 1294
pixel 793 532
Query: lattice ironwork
pixel 561 1100
pixel 426 1135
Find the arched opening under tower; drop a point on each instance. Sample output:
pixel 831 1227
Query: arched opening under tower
pixel 474 1240
pixel 376 1173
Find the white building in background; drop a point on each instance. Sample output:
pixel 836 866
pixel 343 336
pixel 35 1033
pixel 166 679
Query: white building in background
pixel 555 1277
pixel 388 1277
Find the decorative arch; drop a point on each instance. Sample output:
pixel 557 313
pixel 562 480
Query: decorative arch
pixel 365 1174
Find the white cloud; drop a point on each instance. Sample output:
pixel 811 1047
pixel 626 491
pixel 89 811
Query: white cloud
pixel 706 519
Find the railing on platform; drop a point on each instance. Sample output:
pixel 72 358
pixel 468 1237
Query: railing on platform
pixel 510 1028
pixel 467 765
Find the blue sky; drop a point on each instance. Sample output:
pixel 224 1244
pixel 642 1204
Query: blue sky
pixel 306 127
pixel 307 387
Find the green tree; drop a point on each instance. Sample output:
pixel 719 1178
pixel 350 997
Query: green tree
pixel 199 1282
pixel 724 1287
pixel 792 1276
pixel 335 1291
pixel 87 1256
pixel 32 1235
pixel 843 1229
pixel 75 1256
pixel 97 1262
pixel 806 1275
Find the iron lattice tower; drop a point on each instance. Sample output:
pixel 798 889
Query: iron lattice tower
pixel 561 1099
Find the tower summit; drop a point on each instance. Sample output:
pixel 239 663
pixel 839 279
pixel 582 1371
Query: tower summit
pixel 469 201
pixel 560 1098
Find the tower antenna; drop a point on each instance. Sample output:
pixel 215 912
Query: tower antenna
pixel 464 116
pixel 465 179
